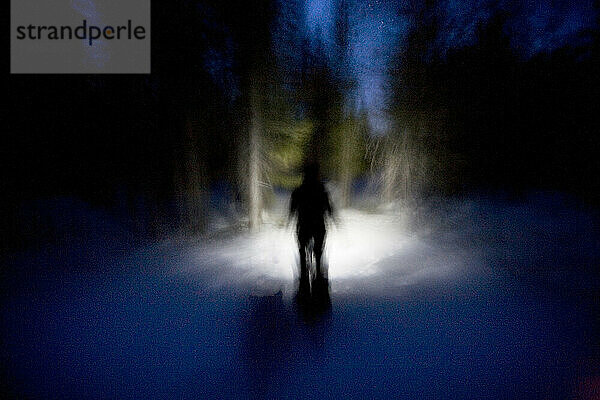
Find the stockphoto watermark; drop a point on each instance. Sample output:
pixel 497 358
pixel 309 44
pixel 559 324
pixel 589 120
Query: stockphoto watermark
pixel 82 32
pixel 80 36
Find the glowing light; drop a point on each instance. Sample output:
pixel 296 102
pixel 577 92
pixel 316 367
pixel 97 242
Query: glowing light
pixel 361 241
pixel 354 250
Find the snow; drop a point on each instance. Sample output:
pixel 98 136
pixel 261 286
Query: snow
pixel 463 298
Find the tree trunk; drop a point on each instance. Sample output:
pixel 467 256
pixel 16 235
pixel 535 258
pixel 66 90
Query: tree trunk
pixel 254 192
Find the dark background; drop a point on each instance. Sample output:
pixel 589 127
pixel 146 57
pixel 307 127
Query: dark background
pixel 497 120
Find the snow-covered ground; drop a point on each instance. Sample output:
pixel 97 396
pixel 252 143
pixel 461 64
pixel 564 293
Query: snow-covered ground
pixel 460 299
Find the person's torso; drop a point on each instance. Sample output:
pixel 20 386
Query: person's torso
pixel 311 201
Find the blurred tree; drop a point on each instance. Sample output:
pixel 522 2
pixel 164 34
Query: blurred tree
pixel 410 151
pixel 348 138
pixel 250 25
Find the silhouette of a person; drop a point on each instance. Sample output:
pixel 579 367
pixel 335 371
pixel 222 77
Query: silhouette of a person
pixel 310 204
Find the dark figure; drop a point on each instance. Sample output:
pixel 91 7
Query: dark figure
pixel 310 204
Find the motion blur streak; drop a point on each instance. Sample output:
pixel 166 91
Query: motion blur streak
pixel 359 247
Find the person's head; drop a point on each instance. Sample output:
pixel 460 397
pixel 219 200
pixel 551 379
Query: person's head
pixel 311 172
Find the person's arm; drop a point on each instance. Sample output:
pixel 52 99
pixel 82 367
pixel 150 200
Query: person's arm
pixel 328 207
pixel 330 210
pixel 293 208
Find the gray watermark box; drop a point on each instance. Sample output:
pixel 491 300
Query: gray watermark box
pixel 80 36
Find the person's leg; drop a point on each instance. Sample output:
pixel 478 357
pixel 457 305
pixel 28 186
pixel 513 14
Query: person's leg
pixel 302 242
pixel 302 250
pixel 304 284
pixel 319 238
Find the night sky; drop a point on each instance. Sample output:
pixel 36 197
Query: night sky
pixel 377 29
